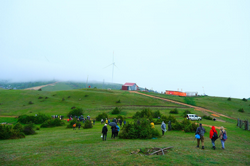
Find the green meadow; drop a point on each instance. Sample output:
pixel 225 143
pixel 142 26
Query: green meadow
pixel 62 146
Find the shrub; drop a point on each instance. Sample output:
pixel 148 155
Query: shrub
pixel 166 119
pixel 177 126
pixel 30 102
pixel 76 112
pixel 29 129
pixel 140 130
pixel 156 114
pixel 40 118
pixel 63 99
pixel 116 111
pixel 40 97
pixel 87 124
pixel 40 89
pixel 191 127
pixel 119 101
pixel 10 132
pixel 241 110
pixel 46 97
pixel 37 128
pixel 68 97
pixel 229 99
pixel 244 99
pixel 207 117
pixel 86 95
pixel 186 112
pixel 52 123
pixel 102 116
pixel 120 117
pixel 145 113
pixel 174 111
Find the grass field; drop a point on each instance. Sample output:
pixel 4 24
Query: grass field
pixel 61 146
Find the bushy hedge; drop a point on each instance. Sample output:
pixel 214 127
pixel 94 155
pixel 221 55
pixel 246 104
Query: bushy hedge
pixel 241 110
pixel 142 130
pixel 87 124
pixel 185 125
pixel 173 111
pixel 11 132
pixel 40 118
pixel 101 116
pixel 166 119
pixel 116 110
pixel 207 117
pixel 120 117
pixel 186 112
pixel 157 114
pixel 52 123
pixel 76 112
pixel 145 113
pixel 29 129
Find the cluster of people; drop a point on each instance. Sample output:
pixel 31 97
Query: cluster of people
pixel 213 135
pixel 114 128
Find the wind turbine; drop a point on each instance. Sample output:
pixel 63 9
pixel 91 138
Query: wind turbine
pixel 113 65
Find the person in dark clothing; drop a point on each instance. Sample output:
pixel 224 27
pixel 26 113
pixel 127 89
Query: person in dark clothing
pixel 79 126
pixel 113 128
pixel 169 126
pixel 124 122
pixel 94 122
pixel 104 132
pixel 200 130
pixel 120 121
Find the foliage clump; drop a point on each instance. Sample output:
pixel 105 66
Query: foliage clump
pixel 87 124
pixel 102 116
pixel 40 118
pixel 120 117
pixel 229 99
pixel 29 129
pixel 207 117
pixel 174 111
pixel 116 111
pixel 186 112
pixel 76 112
pixel 52 123
pixel 241 110
pixel 185 125
pixel 40 97
pixel 140 130
pixel 11 132
pixel 244 99
pixel 157 114
pixel 30 102
pixel 145 113
pixel 166 119
pixel 74 121
pixel 118 101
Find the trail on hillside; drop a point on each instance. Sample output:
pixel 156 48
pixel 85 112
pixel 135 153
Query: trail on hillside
pixel 38 87
pixel 191 106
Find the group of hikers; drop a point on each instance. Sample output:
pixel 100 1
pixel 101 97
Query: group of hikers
pixel 213 135
pixel 114 128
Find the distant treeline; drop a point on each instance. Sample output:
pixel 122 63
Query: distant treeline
pixel 80 85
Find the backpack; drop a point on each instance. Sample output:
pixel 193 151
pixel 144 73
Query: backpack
pixel 224 136
pixel 215 136
pixel 74 125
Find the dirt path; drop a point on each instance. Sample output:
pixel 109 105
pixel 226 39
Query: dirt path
pixel 191 106
pixel 38 87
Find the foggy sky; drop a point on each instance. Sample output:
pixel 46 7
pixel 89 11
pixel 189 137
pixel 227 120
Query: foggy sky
pixel 161 45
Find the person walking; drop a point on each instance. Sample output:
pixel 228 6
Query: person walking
pixel 79 126
pixel 117 130
pixel 106 121
pixel 223 137
pixel 113 129
pixel 101 121
pixel 74 126
pixel 201 131
pixel 163 128
pixel 213 136
pixel 94 122
pixel 169 126
pixel 120 121
pixel 124 122
pixel 104 132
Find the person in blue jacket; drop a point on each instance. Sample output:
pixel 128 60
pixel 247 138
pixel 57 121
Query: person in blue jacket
pixel 117 130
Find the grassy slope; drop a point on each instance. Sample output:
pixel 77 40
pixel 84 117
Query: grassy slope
pixel 218 104
pixel 15 102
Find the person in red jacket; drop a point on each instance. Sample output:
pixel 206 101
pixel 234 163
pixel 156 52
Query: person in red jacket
pixel 213 136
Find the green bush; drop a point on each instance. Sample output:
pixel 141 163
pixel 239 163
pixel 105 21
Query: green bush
pixel 52 123
pixel 145 113
pixel 119 101
pixel 244 99
pixel 10 132
pixel 174 111
pixel 177 126
pixel 120 117
pixel 241 110
pixel 116 111
pixel 229 99
pixel 101 116
pixel 142 130
pixel 29 129
pixel 191 127
pixel 207 117
pixel 87 124
pixel 166 119
pixel 76 112
pixel 157 114
pixel 40 118
pixel 186 112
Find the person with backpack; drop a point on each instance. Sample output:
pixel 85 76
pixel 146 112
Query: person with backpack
pixel 201 131
pixel 223 137
pixel 104 132
pixel 79 125
pixel 74 126
pixel 117 130
pixel 163 128
pixel 213 136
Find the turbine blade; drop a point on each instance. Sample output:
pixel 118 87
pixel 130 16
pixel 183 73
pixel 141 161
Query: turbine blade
pixel 108 66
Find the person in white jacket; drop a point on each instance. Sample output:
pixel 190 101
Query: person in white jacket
pixel 163 128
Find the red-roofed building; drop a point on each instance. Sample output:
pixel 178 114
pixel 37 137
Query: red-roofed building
pixel 130 86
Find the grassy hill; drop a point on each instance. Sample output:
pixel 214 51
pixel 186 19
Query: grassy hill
pixel 61 146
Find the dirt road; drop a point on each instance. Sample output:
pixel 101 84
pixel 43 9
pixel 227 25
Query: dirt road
pixel 38 87
pixel 191 106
